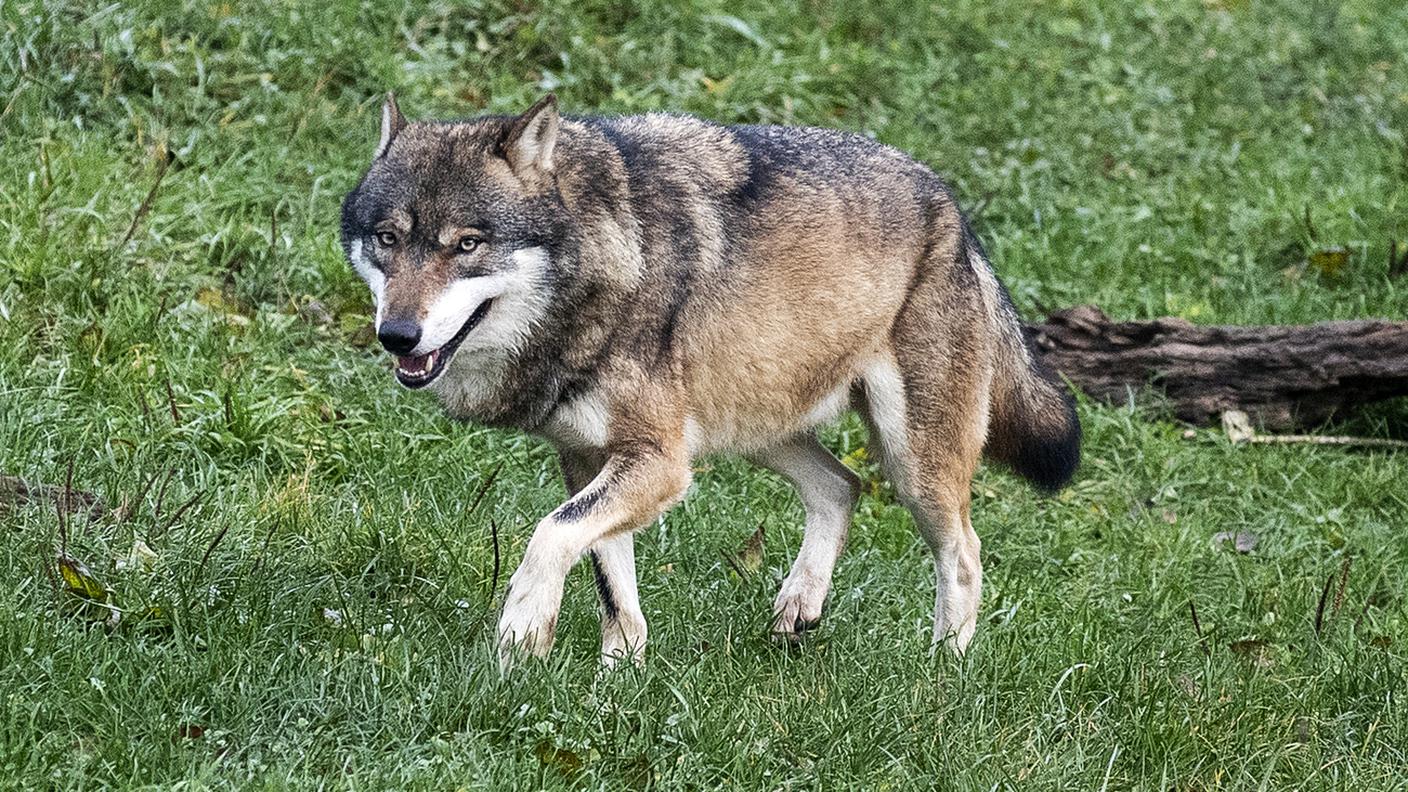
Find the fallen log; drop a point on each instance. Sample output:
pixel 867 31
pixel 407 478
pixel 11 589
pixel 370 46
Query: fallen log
pixel 15 491
pixel 1282 376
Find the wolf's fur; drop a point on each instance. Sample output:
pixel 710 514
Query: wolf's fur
pixel 664 287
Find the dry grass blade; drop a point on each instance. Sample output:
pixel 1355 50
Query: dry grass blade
pixel 211 547
pixel 171 403
pixel 484 488
pixel 1344 581
pixel 60 506
pixel 129 507
pixel 273 233
pixel 161 494
pixel 1320 605
pixel 176 515
pixel 146 205
pixel 1197 626
pixel 494 538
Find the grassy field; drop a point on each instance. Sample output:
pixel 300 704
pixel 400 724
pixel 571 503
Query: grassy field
pixel 179 330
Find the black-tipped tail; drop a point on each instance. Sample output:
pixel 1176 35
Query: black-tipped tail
pixel 1034 429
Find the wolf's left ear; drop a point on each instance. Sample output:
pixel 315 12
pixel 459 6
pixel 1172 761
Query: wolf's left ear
pixel 392 122
pixel 530 139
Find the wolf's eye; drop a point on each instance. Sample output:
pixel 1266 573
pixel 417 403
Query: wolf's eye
pixel 468 244
pixel 385 238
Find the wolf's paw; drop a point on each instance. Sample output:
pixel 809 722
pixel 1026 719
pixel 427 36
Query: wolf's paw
pixel 526 629
pixel 955 638
pixel 622 640
pixel 797 607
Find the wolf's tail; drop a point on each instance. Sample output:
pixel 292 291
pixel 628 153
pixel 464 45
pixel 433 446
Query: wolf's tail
pixel 1032 427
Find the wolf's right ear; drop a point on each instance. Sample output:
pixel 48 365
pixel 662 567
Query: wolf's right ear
pixel 392 122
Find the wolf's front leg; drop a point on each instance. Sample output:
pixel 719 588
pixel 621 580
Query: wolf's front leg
pixel 635 486
pixel 622 623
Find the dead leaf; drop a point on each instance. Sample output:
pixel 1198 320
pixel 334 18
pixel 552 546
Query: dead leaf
pixel 188 731
pixel 559 759
pixel 80 581
pixel 1302 730
pixel 140 557
pixel 1189 686
pixel 226 304
pixel 1330 261
pixel 749 558
pixel 1255 650
pixel 1242 541
pixel 716 87
pixel 1238 426
pixel 95 598
pixel 638 773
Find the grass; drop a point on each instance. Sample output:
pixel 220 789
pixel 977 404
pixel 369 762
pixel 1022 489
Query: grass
pixel 177 326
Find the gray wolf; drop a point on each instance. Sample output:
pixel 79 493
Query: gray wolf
pixel 641 291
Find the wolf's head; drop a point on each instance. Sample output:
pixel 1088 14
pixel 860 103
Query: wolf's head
pixel 453 228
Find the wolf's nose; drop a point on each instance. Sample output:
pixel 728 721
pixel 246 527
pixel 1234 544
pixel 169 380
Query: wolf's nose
pixel 399 336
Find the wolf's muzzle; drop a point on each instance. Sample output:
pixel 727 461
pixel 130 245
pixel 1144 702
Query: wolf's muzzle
pixel 420 370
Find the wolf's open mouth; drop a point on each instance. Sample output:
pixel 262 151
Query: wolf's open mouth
pixel 421 370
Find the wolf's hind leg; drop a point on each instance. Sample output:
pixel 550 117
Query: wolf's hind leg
pixel 623 630
pixel 828 490
pixel 930 424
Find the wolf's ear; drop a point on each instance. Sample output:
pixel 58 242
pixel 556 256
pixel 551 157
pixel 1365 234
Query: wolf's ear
pixel 530 139
pixel 392 122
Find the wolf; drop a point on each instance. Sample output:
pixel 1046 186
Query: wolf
pixel 642 291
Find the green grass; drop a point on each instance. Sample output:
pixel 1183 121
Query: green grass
pixel 1154 159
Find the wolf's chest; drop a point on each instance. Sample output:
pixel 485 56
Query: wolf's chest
pixel 580 424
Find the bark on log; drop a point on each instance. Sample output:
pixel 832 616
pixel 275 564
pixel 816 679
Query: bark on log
pixel 1283 376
